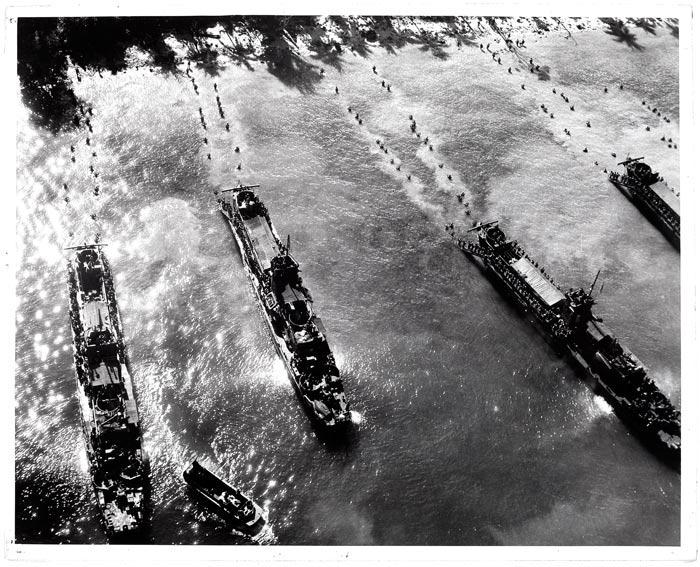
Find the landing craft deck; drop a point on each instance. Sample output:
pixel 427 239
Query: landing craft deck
pixel 547 291
pixel 263 240
pixel 646 189
pixel 96 314
pixel 669 197
pixel 229 503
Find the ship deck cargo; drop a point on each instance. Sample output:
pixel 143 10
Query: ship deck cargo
pixel 547 291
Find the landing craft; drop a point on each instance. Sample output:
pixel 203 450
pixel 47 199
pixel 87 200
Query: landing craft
pixel 109 415
pixel 568 323
pixel 645 189
pixel 298 334
pixel 229 503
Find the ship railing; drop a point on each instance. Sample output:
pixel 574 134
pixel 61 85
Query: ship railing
pixel 472 248
pixel 661 207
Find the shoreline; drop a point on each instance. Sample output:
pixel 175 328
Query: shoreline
pixel 54 52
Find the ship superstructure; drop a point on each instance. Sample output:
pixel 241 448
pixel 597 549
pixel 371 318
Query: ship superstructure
pixel 648 191
pixel 287 306
pixel 567 321
pixel 109 415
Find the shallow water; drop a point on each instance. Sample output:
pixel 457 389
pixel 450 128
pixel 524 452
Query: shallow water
pixel 472 431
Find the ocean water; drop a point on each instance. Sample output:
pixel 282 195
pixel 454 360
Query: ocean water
pixel 470 430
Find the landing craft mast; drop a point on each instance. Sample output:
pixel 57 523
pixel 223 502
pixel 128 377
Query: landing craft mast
pixel 590 291
pixel 630 160
pixel 83 246
pixel 482 225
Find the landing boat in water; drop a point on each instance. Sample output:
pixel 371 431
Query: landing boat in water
pixel 232 506
pixel 298 334
pixel 568 323
pixel 109 415
pixel 647 190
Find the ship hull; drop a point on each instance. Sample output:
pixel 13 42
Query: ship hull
pixel 650 438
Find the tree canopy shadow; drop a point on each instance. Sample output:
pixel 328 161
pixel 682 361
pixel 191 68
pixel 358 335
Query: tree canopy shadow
pixel 48 47
pixel 50 50
pixel 328 55
pixel 351 35
pixel 436 50
pixel 465 38
pixel 237 51
pixel 672 25
pixel 541 24
pixel 647 24
pixel 292 70
pixel 621 33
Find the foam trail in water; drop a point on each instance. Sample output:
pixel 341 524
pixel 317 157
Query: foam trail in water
pixel 413 187
pixel 356 417
pixel 445 177
pixel 618 122
pixel 223 166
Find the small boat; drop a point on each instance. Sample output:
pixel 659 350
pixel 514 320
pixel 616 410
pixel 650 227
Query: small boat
pixel 229 503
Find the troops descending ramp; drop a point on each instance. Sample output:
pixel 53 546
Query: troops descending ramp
pixel 298 334
pixel 110 419
pixel 567 321
pixel 647 190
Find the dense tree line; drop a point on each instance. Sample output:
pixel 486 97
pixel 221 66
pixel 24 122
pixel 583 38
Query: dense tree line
pixel 48 46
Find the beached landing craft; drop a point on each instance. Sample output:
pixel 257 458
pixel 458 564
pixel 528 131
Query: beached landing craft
pixel 567 321
pixel 109 415
pixel 236 509
pixel 297 332
pixel 645 189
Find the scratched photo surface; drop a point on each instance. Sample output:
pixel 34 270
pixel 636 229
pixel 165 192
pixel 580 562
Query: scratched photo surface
pixel 368 137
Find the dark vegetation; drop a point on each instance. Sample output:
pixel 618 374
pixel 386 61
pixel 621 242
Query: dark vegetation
pixel 50 50
pixel 621 33
pixel 46 46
